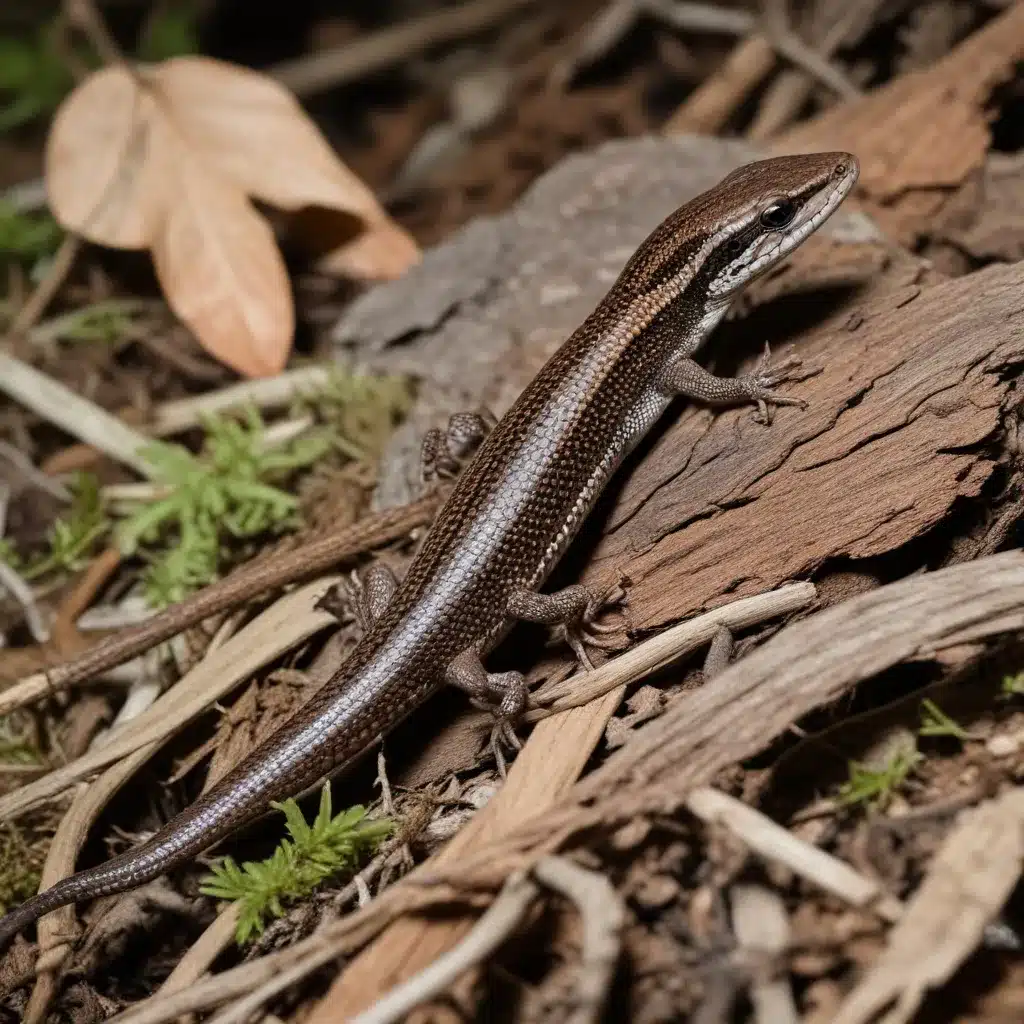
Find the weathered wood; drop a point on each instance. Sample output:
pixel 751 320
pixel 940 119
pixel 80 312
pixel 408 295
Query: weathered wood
pixel 905 421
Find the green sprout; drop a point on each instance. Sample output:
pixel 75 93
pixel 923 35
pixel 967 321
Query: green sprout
pixel 14 748
pixel 935 722
pixel 361 409
pixel 170 32
pixel 20 866
pixel 72 538
pixel 34 77
pixel 875 787
pixel 329 846
pixel 27 236
pixel 1013 686
pixel 226 491
pixel 105 322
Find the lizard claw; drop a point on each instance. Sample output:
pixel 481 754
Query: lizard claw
pixel 584 631
pixel 503 733
pixel 759 385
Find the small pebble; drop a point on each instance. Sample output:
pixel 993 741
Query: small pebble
pixel 1003 746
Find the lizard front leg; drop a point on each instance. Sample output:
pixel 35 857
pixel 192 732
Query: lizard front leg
pixel 574 609
pixel 689 379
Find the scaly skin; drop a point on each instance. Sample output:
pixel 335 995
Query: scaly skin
pixel 516 507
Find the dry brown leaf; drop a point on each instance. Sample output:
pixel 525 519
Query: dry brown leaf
pixel 166 156
pixel 106 176
pixel 223 275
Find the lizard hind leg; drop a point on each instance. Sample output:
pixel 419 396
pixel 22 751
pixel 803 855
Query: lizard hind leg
pixel 444 452
pixel 504 694
pixel 574 609
pixel 366 594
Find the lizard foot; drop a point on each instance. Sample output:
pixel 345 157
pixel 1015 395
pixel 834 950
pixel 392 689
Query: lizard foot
pixel 759 386
pixel 583 630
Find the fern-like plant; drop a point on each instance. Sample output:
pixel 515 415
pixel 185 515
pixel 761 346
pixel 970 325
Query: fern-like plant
pixel 329 846
pixel 227 491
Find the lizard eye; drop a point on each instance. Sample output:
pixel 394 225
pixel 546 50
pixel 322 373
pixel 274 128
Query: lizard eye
pixel 778 215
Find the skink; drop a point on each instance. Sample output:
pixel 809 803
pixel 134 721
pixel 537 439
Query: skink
pixel 515 507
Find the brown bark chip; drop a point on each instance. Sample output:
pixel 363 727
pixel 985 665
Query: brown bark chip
pixel 909 387
pixel 923 134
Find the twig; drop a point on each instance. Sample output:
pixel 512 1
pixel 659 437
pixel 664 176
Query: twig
pixel 84 16
pixel 604 917
pixel 371 53
pixel 284 432
pixel 242 1011
pixel 494 927
pixel 773 842
pixel 264 392
pixel 60 267
pixel 25 196
pixel 39 479
pixel 613 22
pixel 130 611
pixel 298 961
pixel 790 90
pixel 762 932
pixel 670 645
pixel 71 412
pixel 697 17
pixel 310 558
pixel 200 956
pixel 708 18
pixel 95 576
pixel 288 622
pixel 799 53
pixel 968 881
pixel 22 593
pixel 710 105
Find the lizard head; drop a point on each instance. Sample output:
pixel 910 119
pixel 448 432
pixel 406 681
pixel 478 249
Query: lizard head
pixel 773 206
pixel 724 238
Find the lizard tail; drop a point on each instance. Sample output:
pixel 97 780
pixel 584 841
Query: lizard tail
pixel 227 806
pixel 286 764
pixel 167 848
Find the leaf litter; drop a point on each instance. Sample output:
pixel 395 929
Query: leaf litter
pixel 170 157
pixel 659 977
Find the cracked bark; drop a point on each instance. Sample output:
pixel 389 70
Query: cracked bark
pixel 901 461
pixel 904 370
